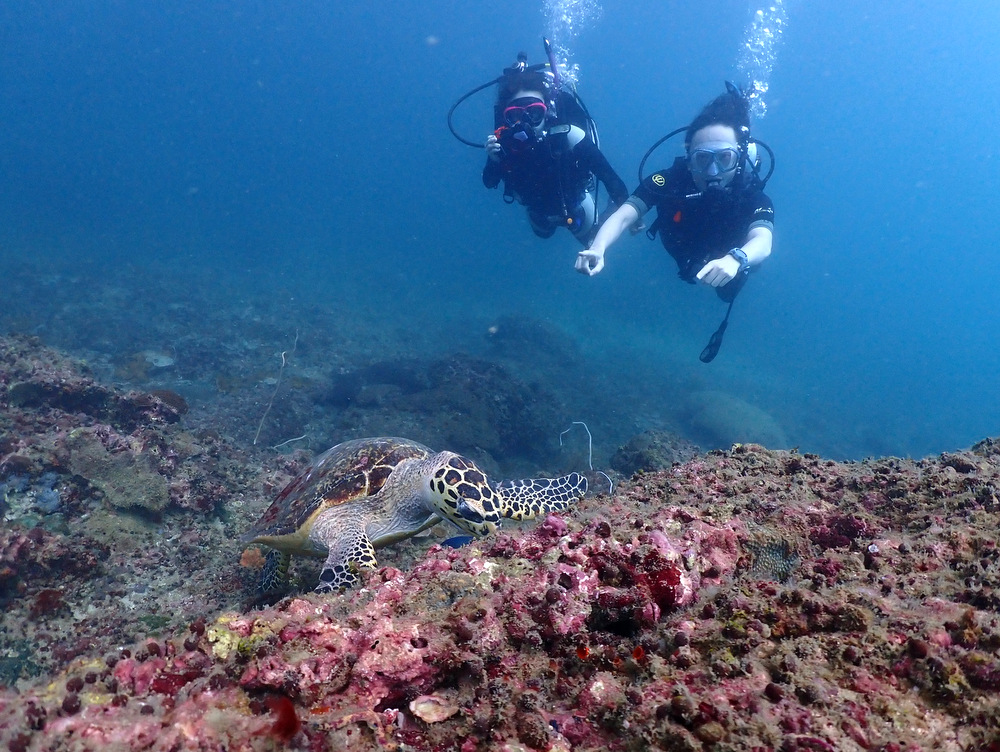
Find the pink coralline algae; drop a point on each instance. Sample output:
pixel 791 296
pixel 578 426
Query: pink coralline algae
pixel 839 532
pixel 746 600
pixel 39 556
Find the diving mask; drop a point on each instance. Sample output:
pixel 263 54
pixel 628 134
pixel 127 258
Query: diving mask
pixel 713 160
pixel 527 110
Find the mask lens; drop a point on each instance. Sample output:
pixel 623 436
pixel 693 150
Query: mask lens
pixel 535 113
pixel 532 112
pixel 701 160
pixel 725 160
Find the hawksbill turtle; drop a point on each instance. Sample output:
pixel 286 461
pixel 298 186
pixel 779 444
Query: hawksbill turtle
pixel 367 493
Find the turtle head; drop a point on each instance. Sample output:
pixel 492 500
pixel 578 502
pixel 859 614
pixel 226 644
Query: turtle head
pixel 461 492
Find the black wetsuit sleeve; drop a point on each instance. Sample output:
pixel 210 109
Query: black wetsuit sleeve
pixel 603 171
pixel 665 185
pixel 648 194
pixel 492 174
pixel 763 213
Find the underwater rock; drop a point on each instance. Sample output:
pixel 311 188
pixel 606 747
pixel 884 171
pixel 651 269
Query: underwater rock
pixel 744 599
pixel 407 375
pixel 474 406
pixel 652 450
pixel 125 478
pixel 39 560
pixel 697 607
pixel 77 574
pixel 718 420
pixel 522 339
pixel 36 377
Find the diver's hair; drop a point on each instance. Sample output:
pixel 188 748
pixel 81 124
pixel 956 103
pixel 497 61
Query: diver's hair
pixel 511 83
pixel 731 108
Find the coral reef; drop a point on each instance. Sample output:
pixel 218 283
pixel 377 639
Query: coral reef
pixel 469 405
pixel 113 513
pixel 524 341
pixel 748 599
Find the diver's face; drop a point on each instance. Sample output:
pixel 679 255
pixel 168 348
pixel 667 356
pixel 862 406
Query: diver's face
pixel 527 107
pixel 713 156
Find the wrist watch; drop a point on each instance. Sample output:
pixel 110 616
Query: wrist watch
pixel 739 255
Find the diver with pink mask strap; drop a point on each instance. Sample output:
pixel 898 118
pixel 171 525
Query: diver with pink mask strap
pixel 545 152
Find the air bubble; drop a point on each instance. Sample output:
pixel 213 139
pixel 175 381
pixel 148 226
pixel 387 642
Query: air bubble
pixel 564 20
pixel 758 54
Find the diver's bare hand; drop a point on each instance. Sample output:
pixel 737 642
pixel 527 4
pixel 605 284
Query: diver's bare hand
pixel 719 272
pixel 493 148
pixel 589 262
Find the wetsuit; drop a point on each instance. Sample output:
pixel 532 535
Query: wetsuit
pixel 555 178
pixel 697 227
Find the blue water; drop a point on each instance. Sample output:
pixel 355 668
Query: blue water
pixel 304 146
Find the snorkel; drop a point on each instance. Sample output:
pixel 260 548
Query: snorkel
pixel 552 63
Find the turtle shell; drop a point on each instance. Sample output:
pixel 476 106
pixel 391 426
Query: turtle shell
pixel 341 474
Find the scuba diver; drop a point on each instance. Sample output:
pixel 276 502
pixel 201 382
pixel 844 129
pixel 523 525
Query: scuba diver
pixel 546 152
pixel 712 214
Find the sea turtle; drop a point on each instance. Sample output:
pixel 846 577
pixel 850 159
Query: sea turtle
pixel 367 493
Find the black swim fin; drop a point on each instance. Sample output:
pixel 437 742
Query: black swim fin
pixel 715 341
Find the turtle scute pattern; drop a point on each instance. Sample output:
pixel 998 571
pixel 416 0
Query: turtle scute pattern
pixel 347 471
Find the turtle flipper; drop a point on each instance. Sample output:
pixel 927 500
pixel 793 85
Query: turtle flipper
pixel 349 551
pixel 274 575
pixel 527 499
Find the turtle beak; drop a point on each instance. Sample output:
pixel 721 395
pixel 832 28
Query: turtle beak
pixel 470 513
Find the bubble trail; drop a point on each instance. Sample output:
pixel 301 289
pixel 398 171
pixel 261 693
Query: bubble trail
pixel 759 52
pixel 564 20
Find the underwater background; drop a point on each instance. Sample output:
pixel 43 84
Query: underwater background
pixel 194 194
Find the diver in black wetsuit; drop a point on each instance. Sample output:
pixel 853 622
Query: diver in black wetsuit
pixel 712 214
pixel 547 163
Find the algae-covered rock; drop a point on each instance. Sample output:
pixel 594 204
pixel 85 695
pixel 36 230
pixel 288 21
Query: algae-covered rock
pixel 650 451
pixel 125 478
pixel 719 420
